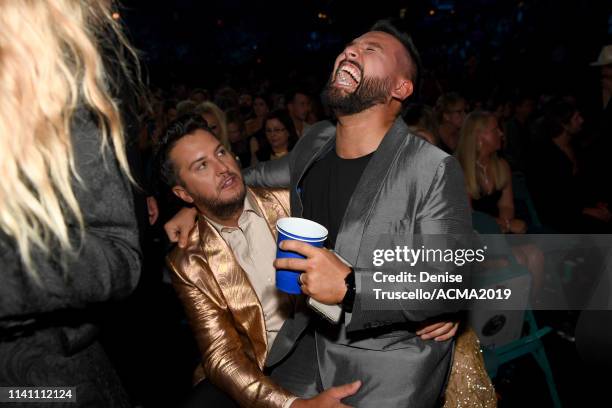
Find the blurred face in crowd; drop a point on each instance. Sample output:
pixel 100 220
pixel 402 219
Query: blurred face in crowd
pixel 260 107
pixel 299 107
pixel 213 123
pixel 233 132
pixel 210 176
pixel 245 100
pixel 277 134
pixel 455 115
pixel 524 109
pixel 490 137
pixel 503 112
pixel 371 70
pixel 575 124
pixel 198 97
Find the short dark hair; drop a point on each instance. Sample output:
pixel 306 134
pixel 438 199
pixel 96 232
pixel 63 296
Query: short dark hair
pixel 292 92
pixel 388 26
pixel 557 114
pixel 234 116
pixel 175 131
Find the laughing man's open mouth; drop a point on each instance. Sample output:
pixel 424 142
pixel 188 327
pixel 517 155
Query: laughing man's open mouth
pixel 348 74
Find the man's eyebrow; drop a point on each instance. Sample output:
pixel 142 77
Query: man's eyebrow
pixel 199 159
pixel 374 44
pixel 204 157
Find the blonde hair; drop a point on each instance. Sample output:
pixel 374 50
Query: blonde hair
pixel 50 64
pixel 208 107
pixel 468 151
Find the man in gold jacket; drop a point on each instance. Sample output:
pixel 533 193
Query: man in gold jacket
pixel 225 278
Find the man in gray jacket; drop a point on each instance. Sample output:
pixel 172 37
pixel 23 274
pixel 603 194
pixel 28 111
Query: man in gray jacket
pixel 367 176
pixel 364 178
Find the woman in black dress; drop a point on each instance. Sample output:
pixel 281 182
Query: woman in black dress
pixel 488 180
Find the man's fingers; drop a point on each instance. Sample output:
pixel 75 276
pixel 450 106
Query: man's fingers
pixel 430 328
pixel 293 264
pixel 171 232
pixel 444 333
pixel 183 237
pixel 448 335
pixel 343 391
pixel 439 331
pixel 300 247
pixel 443 329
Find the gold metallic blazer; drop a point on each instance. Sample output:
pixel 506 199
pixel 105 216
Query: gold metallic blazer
pixel 224 312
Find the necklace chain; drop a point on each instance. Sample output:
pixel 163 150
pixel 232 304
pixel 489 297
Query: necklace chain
pixel 483 170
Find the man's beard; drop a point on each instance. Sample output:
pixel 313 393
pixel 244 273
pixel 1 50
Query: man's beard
pixel 370 92
pixel 221 209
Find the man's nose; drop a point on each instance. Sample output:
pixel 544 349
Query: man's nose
pixel 221 167
pixel 351 52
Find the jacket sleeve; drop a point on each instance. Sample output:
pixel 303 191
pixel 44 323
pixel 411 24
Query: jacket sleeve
pixel 224 359
pixel 106 260
pixel 271 174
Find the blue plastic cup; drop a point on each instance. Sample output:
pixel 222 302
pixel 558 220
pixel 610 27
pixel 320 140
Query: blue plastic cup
pixel 298 229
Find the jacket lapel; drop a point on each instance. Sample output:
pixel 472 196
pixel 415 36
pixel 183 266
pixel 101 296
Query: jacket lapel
pixel 363 199
pixel 270 207
pixel 233 281
pixel 322 142
pixel 236 288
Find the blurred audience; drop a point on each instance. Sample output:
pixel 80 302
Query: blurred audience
pixel 488 181
pixel 298 105
pixel 518 134
pixel 450 111
pixel 280 138
pixel 554 174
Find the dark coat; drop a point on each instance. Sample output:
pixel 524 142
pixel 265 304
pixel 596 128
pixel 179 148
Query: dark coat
pixel 48 332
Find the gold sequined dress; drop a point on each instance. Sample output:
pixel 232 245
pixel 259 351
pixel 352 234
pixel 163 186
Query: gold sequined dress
pixel 469 385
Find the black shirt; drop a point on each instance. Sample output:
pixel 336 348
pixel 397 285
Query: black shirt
pixel 327 189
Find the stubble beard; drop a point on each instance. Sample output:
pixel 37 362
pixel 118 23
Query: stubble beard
pixel 222 209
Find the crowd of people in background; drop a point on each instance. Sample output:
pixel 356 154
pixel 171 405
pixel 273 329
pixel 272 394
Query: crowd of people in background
pixel 542 140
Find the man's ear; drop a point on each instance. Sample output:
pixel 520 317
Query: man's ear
pixel 403 89
pixel 181 193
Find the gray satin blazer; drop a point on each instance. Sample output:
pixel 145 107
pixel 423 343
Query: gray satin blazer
pixel 408 187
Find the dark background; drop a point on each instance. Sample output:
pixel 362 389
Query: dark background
pixel 544 46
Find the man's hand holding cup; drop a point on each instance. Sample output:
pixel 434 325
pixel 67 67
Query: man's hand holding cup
pixel 323 274
pixel 304 266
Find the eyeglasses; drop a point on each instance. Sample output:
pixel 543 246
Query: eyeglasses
pixel 275 130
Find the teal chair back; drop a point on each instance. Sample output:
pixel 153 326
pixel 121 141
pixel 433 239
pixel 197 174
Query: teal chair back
pixel 530 342
pixel 523 204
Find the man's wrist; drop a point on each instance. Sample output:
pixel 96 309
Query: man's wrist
pixel 351 290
